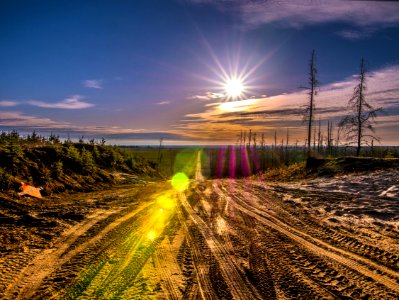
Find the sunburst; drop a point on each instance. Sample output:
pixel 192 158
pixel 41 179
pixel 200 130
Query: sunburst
pixel 234 88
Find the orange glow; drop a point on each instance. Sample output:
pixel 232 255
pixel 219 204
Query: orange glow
pixel 234 106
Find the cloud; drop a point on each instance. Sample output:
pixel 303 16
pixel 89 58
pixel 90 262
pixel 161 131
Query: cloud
pixel 73 102
pixel 163 103
pixel 224 120
pixel 15 119
pixel 299 13
pixel 154 135
pixel 8 103
pixel 207 96
pixel 25 124
pixel 93 83
pixel 355 35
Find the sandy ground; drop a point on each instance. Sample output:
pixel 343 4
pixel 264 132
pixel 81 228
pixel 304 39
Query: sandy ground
pixel 334 238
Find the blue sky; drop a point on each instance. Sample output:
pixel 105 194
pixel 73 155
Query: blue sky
pixel 135 71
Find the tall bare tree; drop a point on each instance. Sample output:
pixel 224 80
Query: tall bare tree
pixel 310 107
pixel 329 137
pixel 363 114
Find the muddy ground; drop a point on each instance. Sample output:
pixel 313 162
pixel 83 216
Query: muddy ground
pixel 330 238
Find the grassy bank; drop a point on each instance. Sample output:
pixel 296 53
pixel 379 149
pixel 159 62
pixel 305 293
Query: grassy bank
pixel 57 166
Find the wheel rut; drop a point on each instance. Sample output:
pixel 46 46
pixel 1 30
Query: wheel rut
pixel 367 268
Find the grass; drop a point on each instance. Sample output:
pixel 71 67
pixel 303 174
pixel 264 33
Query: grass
pixel 168 161
pixel 292 172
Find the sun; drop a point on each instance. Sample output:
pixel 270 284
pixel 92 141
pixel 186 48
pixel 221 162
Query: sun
pixel 234 87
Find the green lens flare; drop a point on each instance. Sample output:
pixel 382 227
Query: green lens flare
pixel 180 182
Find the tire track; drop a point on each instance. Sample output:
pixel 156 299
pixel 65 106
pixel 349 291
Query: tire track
pixel 167 267
pixel 31 277
pixel 360 244
pixel 238 288
pixel 199 260
pixel 368 262
pixel 331 253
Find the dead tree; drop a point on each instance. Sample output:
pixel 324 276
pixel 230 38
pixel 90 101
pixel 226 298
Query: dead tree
pixel 263 151
pixel 329 137
pixel 310 107
pixel 319 138
pixel 286 158
pixel 250 138
pixel 314 139
pixel 363 114
pixel 287 139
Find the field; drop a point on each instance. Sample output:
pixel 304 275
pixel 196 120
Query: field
pixel 169 160
pixel 333 237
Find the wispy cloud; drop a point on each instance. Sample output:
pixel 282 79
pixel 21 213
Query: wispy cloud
pixel 266 114
pixel 93 83
pixel 207 96
pixel 352 34
pixel 299 13
pixel 8 103
pixel 163 103
pixel 25 124
pixel 73 102
pixel 15 119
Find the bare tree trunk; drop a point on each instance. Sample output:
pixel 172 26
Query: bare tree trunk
pixel 314 139
pixel 329 137
pixel 249 138
pixel 319 137
pixel 312 93
pixel 360 107
pixel 286 147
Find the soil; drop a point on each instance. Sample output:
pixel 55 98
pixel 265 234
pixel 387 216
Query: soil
pixel 330 238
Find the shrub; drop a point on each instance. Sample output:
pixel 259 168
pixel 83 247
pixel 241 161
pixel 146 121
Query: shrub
pixel 73 158
pixel 5 180
pixel 88 164
pixel 57 169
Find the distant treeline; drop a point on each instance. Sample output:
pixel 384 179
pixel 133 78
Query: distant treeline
pixel 250 158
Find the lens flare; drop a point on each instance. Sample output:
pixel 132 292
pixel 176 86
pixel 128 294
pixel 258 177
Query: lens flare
pixel 151 235
pixel 180 182
pixel 166 201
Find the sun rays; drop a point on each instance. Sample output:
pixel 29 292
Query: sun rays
pixel 232 72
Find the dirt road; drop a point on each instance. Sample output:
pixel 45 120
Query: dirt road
pixel 219 239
